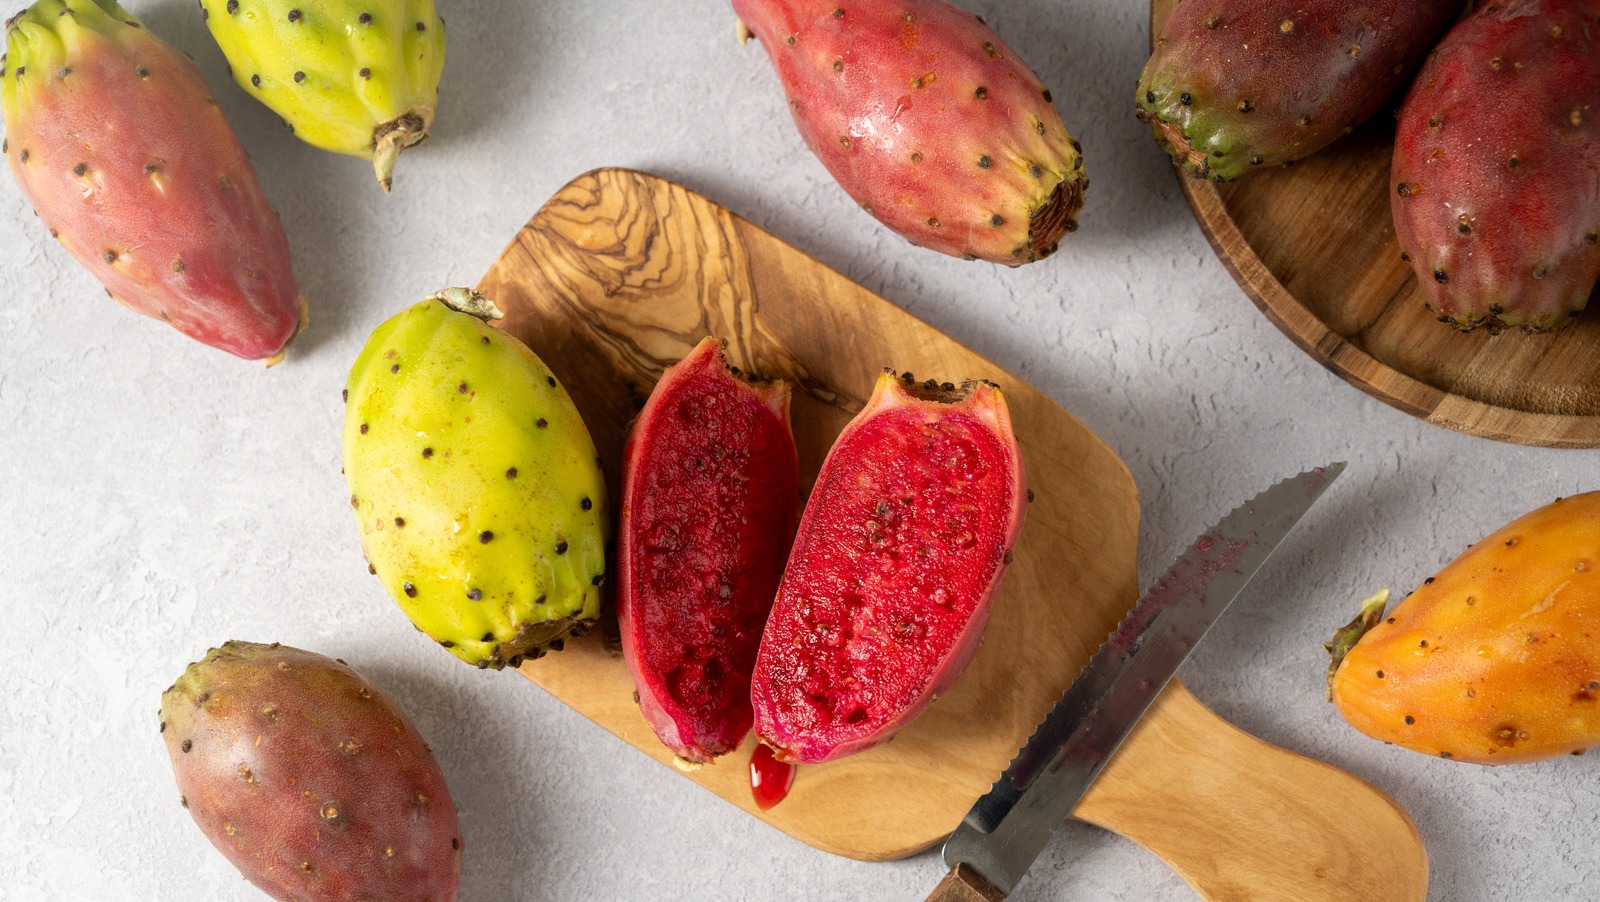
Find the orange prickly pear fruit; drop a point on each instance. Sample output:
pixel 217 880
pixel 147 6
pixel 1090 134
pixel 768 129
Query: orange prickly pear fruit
pixel 1494 660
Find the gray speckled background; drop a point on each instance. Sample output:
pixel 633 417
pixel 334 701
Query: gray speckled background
pixel 160 497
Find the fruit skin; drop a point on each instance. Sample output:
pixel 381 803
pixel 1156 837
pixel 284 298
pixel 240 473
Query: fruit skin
pixel 710 496
pixel 475 483
pixel 1495 182
pixel 928 120
pixel 902 545
pixel 119 146
pixel 352 77
pixel 1236 85
pixel 309 778
pixel 1493 660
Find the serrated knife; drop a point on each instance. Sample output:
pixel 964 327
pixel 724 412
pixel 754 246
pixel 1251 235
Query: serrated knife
pixel 1008 826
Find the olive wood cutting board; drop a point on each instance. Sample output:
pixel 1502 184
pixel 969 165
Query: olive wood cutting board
pixel 621 273
pixel 1314 247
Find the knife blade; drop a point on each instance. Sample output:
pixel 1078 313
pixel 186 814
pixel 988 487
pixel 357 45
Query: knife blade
pixel 1008 827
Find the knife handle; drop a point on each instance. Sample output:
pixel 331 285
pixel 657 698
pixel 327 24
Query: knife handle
pixel 963 884
pixel 1241 819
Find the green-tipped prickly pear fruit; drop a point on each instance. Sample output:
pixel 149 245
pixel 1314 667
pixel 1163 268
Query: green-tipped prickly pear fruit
pixel 1237 85
pixel 118 144
pixel 475 483
pixel 360 78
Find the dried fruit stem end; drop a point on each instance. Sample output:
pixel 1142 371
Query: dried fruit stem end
pixel 469 301
pixel 1346 637
pixel 392 137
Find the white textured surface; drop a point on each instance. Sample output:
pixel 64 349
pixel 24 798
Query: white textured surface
pixel 161 497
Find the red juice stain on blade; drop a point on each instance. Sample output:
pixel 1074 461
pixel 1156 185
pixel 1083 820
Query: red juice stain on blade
pixel 770 778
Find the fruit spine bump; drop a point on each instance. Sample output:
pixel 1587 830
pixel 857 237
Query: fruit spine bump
pixel 1493 659
pixel 349 77
pixel 122 151
pixel 1495 181
pixel 475 483
pixel 928 120
pixel 309 778
pixel 1237 85
pixel 710 494
pixel 902 545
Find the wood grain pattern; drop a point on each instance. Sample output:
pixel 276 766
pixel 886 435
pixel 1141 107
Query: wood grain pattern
pixel 619 276
pixel 1313 245
pixel 622 273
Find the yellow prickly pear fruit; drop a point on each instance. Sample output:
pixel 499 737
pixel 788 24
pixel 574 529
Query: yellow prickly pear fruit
pixel 475 483
pixel 354 78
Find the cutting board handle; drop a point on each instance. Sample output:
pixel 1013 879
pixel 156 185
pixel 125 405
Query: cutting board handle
pixel 1241 819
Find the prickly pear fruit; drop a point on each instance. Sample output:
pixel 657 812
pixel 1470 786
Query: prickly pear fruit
pixel 1495 183
pixel 309 778
pixel 475 483
pixel 356 78
pixel 900 550
pixel 928 120
pixel 1494 660
pixel 1235 85
pixel 123 153
pixel 710 493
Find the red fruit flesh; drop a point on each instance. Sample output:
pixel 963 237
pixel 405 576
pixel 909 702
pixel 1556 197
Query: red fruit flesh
pixel 710 491
pixel 928 120
pixel 128 161
pixel 310 779
pixel 1495 183
pixel 902 545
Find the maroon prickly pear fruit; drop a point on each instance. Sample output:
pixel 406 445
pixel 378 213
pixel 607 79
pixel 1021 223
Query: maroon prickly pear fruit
pixel 124 154
pixel 928 120
pixel 901 548
pixel 1235 85
pixel 710 494
pixel 309 778
pixel 1495 182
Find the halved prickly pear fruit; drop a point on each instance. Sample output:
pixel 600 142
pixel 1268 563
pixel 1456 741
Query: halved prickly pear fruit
pixel 710 493
pixel 901 548
pixel 124 154
pixel 1237 85
pixel 928 120
pixel 350 76
pixel 1493 660
pixel 309 778
pixel 1495 183
pixel 475 483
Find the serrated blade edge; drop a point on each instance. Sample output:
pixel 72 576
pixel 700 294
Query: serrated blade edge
pixel 1010 824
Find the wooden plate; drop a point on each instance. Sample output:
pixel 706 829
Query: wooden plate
pixel 621 274
pixel 1313 245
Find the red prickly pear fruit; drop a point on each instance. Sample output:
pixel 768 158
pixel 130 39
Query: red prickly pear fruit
pixel 124 154
pixel 1495 181
pixel 309 778
pixel 1236 85
pixel 901 548
pixel 710 495
pixel 928 120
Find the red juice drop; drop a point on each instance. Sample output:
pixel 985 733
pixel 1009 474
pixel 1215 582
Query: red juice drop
pixel 770 778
